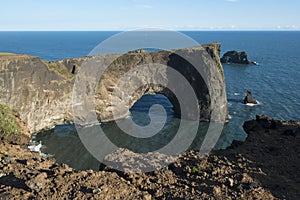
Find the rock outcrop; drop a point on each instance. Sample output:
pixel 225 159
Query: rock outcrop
pixel 249 98
pixel 42 91
pixel 236 58
pixel 41 95
pixel 265 166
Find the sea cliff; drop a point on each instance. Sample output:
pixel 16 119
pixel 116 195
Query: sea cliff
pixel 42 91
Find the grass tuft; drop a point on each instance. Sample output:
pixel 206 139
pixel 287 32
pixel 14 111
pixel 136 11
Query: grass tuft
pixel 60 70
pixel 8 124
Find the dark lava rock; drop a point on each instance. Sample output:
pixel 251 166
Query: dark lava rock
pixel 265 166
pixel 236 57
pixel 249 98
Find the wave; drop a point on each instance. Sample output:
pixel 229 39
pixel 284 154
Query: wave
pixel 36 147
pixel 252 104
pixel 229 118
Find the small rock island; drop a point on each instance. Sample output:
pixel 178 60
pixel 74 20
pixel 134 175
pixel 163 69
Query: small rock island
pixel 236 57
pixel 249 98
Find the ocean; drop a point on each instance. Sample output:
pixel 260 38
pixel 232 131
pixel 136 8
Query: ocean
pixel 274 83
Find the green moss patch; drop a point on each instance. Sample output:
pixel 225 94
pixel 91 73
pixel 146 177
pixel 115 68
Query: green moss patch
pixel 8 123
pixel 53 66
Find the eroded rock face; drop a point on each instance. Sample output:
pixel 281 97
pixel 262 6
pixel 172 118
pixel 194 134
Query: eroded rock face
pixel 42 91
pixel 41 96
pixel 174 59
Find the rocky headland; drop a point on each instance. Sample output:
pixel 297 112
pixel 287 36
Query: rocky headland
pixel 42 91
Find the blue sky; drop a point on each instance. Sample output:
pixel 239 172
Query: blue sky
pixel 132 14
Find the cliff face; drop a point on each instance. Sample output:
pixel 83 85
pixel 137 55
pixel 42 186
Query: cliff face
pixel 42 92
pixel 41 96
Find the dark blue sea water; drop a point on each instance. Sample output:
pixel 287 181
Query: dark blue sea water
pixel 274 82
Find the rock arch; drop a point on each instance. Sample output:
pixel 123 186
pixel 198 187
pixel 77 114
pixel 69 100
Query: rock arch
pixel 52 88
pixel 159 84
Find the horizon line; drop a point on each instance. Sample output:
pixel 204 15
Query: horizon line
pixel 123 30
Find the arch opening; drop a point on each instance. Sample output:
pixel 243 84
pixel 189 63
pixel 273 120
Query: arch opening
pixel 140 109
pixel 141 113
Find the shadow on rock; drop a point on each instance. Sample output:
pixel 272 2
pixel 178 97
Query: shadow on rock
pixel 12 181
pixel 272 148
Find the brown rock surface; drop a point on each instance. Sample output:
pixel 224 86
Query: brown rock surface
pixel 265 166
pixel 41 96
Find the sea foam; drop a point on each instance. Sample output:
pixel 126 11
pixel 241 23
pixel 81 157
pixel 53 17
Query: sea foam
pixel 252 104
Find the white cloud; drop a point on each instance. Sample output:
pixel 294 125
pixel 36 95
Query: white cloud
pixel 288 27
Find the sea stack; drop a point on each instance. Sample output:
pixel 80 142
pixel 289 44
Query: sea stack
pixel 249 98
pixel 236 58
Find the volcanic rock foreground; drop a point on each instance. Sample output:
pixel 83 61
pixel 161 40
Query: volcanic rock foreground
pixel 42 91
pixel 265 166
